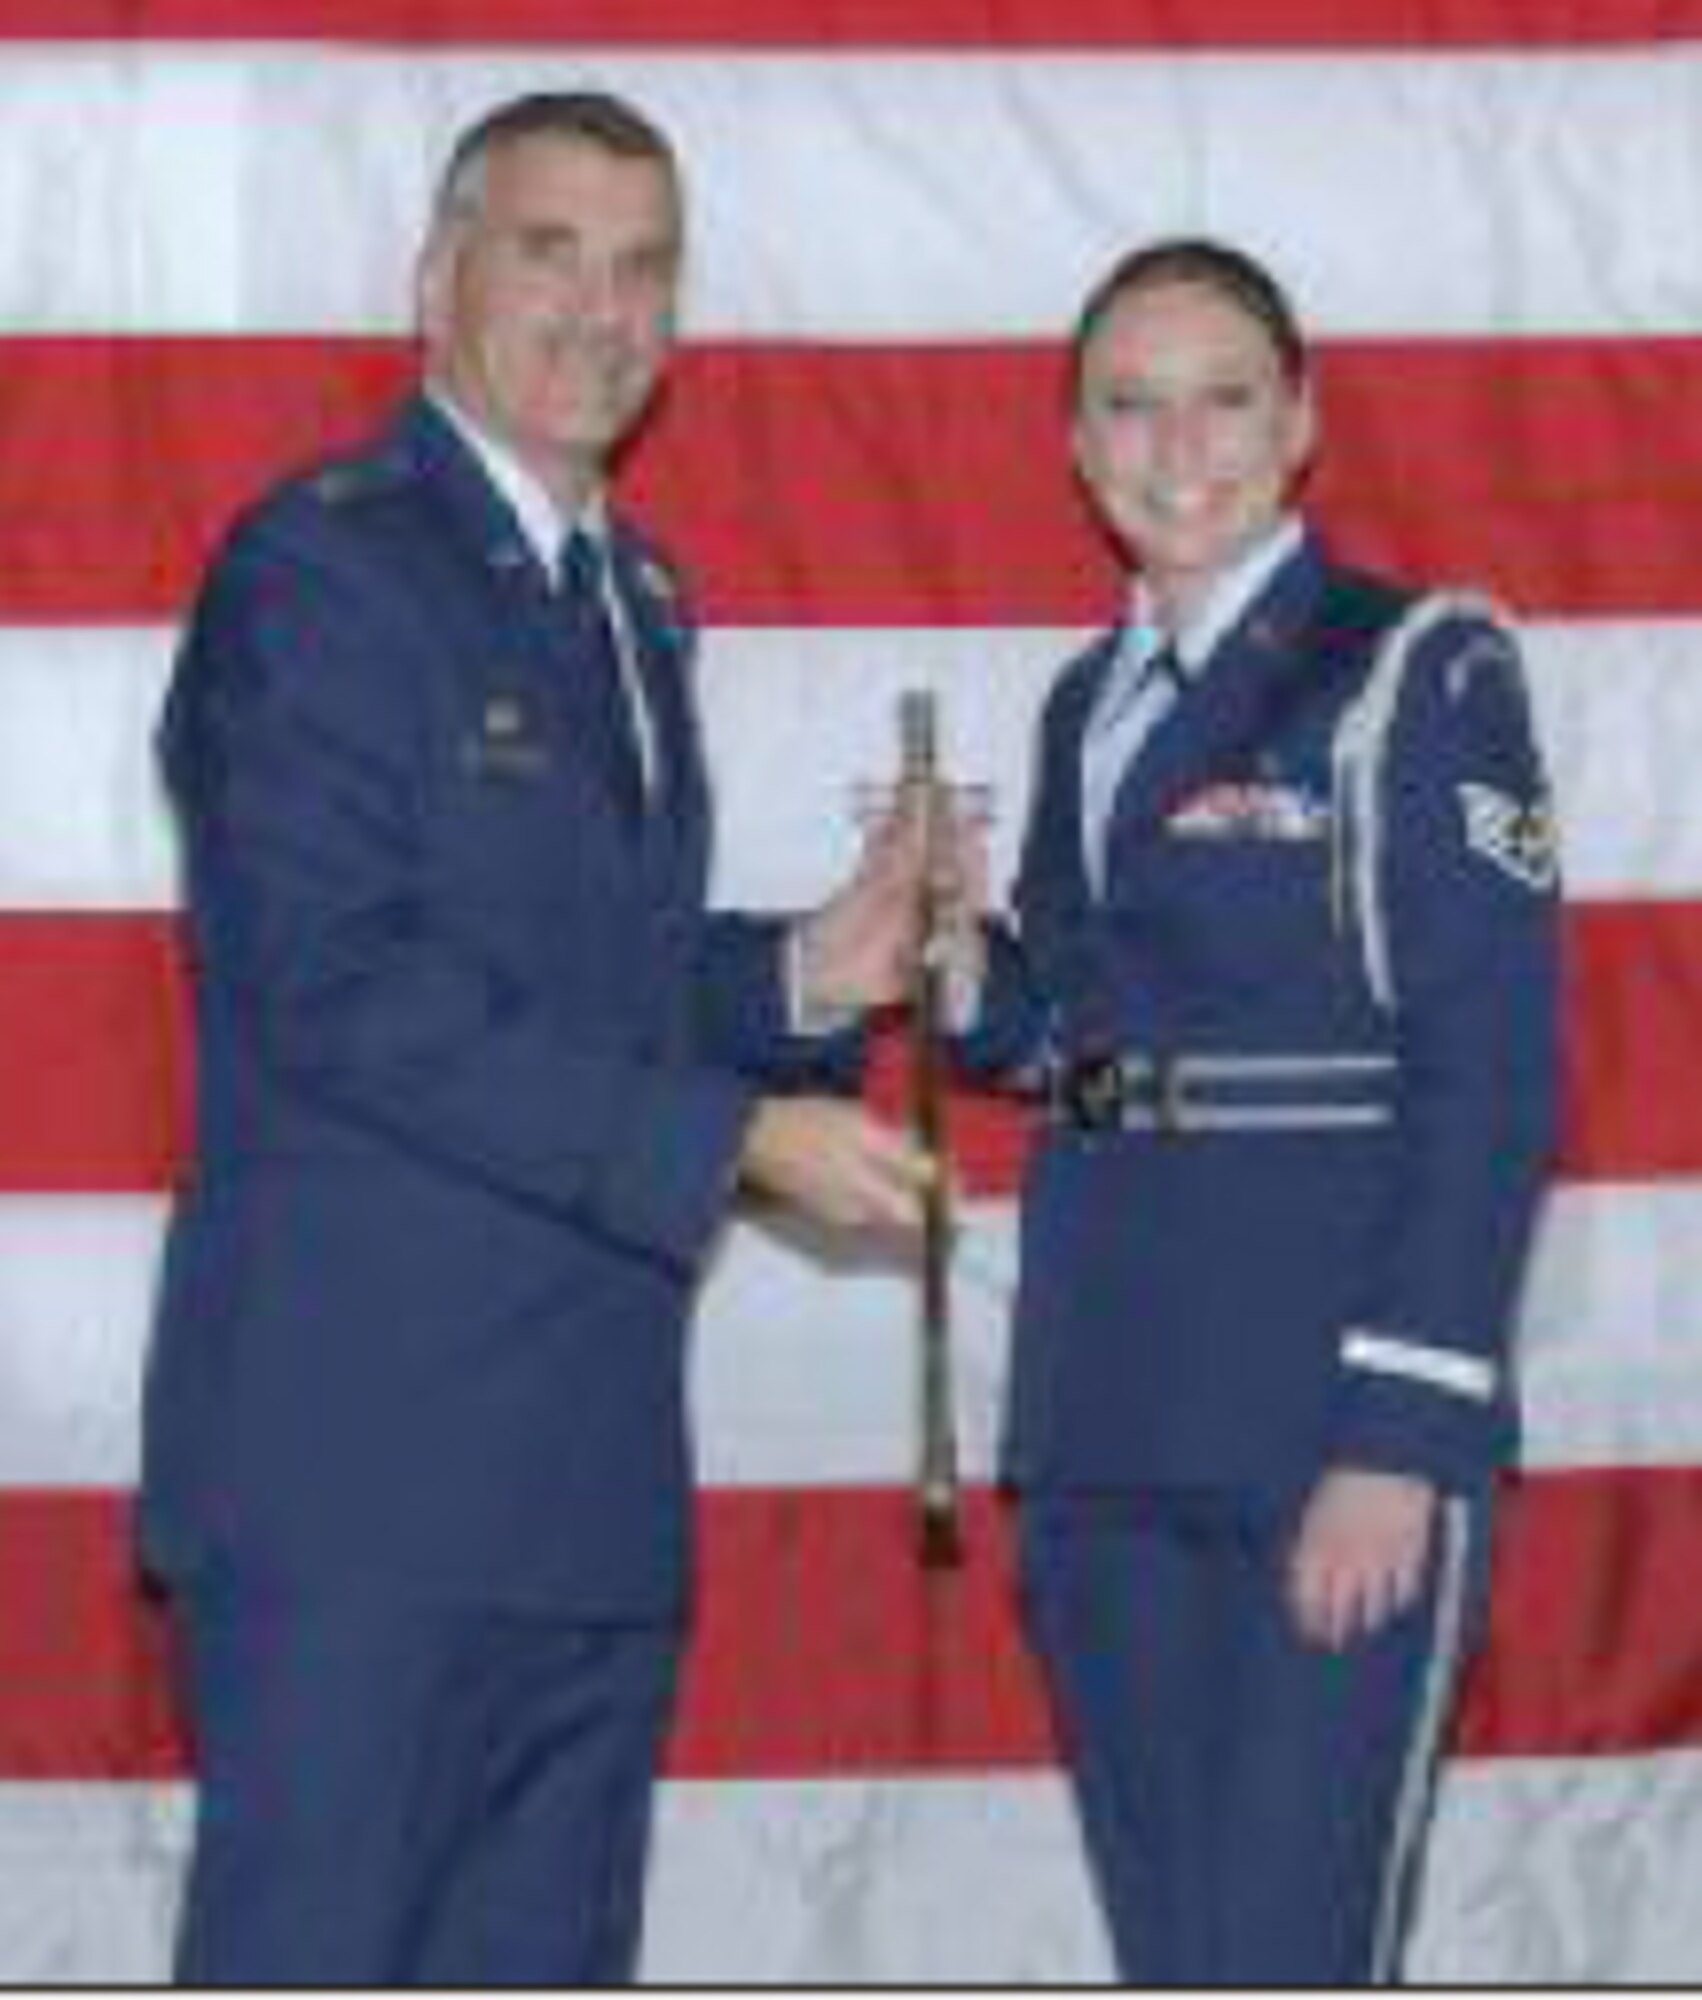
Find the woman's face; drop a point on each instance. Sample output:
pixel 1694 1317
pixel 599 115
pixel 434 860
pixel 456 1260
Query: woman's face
pixel 1188 432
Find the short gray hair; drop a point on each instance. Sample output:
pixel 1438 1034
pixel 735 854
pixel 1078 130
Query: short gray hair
pixel 588 117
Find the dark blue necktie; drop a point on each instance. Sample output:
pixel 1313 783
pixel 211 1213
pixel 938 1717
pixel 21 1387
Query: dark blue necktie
pixel 597 686
pixel 1141 694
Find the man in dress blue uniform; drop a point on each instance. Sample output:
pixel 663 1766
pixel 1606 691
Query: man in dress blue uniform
pixel 1285 960
pixel 477 1078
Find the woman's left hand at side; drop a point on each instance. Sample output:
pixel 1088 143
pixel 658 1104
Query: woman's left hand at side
pixel 1359 1557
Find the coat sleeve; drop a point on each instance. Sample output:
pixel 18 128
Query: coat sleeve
pixel 1471 891
pixel 1042 952
pixel 745 1010
pixel 294 746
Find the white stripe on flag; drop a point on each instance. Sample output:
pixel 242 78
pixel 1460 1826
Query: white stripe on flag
pixel 951 1881
pixel 787 1392
pixel 1546 192
pixel 795 718
pixel 77 1279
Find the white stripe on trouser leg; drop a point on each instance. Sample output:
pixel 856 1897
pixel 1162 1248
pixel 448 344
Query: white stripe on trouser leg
pixel 1412 1807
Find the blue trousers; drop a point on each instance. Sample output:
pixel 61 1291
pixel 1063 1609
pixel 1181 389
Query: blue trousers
pixel 1252 1805
pixel 399 1795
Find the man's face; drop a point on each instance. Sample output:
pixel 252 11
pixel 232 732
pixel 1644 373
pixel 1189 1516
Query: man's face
pixel 1188 432
pixel 548 310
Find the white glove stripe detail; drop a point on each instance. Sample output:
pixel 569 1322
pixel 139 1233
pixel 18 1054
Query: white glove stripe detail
pixel 1437 1367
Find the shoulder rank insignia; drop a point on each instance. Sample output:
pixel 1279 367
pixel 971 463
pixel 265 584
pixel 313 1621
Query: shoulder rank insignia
pixel 348 479
pixel 657 578
pixel 335 484
pixel 1515 836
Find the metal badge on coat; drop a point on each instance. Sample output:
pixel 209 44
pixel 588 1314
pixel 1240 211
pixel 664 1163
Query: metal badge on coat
pixel 509 741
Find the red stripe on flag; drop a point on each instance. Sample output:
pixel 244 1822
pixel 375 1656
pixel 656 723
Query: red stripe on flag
pixel 867 486
pixel 822 1650
pixel 1634 981
pixel 1595 1642
pixel 95 1065
pixel 826 24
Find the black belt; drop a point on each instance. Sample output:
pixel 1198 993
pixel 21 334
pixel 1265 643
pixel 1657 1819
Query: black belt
pixel 1176 1095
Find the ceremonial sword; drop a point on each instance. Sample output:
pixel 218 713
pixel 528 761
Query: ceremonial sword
pixel 938 1497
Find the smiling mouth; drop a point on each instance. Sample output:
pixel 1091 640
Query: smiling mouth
pixel 1182 506
pixel 599 378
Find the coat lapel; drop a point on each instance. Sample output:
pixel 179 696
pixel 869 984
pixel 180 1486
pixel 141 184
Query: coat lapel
pixel 535 634
pixel 1063 780
pixel 480 520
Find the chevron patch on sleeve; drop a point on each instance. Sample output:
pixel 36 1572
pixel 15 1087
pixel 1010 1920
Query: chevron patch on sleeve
pixel 1515 835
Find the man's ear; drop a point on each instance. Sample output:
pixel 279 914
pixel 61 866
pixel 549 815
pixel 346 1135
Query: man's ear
pixel 1303 441
pixel 433 274
pixel 1081 456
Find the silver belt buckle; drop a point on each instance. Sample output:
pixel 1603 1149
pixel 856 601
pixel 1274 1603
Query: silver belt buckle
pixel 1169 1097
pixel 1105 1095
pixel 1094 1094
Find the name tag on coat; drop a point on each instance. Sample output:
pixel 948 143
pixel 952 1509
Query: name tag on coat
pixel 1255 810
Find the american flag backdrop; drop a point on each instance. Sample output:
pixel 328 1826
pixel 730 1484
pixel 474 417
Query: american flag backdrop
pixel 1491 213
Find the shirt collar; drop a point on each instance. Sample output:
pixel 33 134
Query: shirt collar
pixel 527 497
pixel 1224 603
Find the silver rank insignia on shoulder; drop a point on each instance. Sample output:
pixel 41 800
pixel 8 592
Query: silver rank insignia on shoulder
pixel 657 580
pixel 343 480
pixel 335 485
pixel 1515 836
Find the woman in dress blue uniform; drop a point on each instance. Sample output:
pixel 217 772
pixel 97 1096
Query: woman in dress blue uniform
pixel 1284 963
